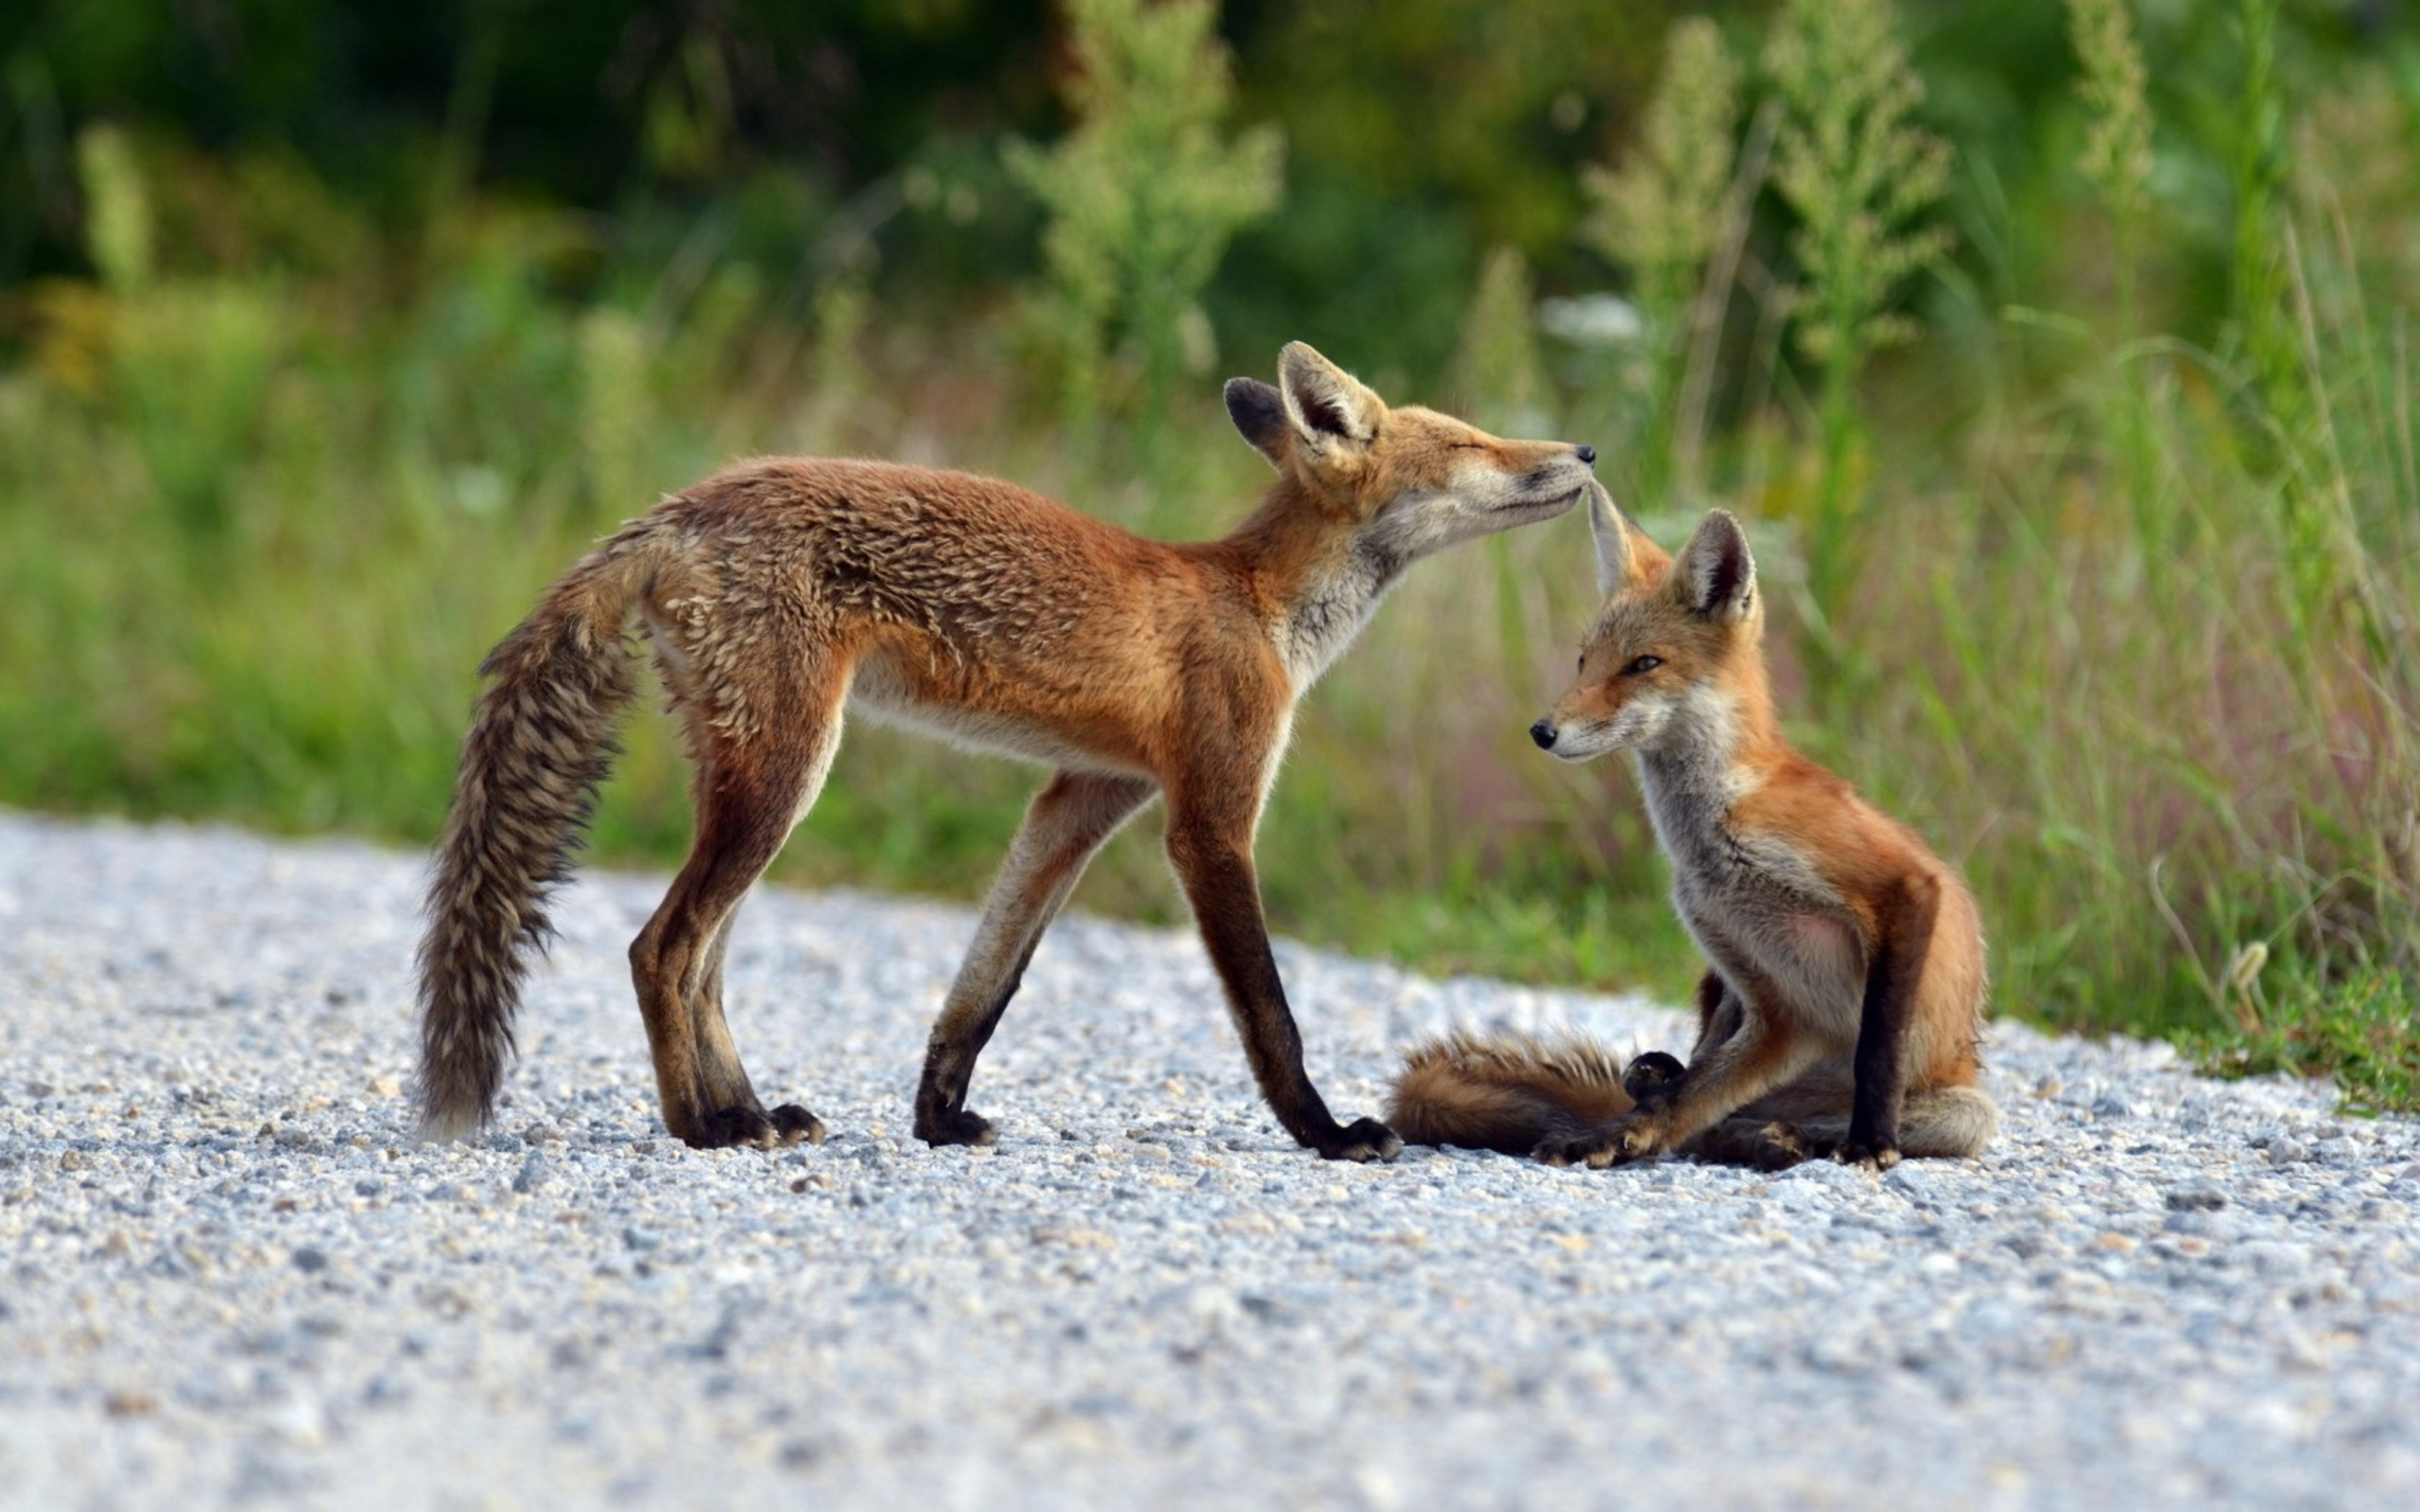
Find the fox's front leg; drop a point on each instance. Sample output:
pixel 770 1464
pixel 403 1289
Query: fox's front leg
pixel 1653 1081
pixel 1761 1056
pixel 1067 821
pixel 1213 859
pixel 1893 975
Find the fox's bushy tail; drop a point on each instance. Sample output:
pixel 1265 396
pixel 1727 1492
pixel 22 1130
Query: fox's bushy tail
pixel 1511 1093
pixel 540 743
pixel 1506 1092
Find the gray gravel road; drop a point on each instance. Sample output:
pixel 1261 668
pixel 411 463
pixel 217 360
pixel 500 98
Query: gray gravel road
pixel 227 1276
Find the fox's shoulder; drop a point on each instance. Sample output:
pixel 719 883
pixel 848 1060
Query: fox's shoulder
pixel 1859 851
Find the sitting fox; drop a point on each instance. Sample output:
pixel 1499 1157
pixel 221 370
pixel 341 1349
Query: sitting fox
pixel 780 593
pixel 1844 1000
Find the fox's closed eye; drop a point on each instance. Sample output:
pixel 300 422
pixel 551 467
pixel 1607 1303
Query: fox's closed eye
pixel 1642 665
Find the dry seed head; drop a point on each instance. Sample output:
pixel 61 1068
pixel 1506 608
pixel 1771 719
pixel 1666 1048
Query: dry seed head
pixel 613 405
pixel 1660 211
pixel 1856 170
pixel 1501 374
pixel 2118 149
pixel 117 213
pixel 1145 192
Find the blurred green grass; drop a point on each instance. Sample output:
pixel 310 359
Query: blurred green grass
pixel 2122 618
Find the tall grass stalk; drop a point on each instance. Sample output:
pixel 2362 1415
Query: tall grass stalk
pixel 2263 323
pixel 1716 286
pixel 117 218
pixel 615 411
pixel 2116 158
pixel 2262 294
pixel 1859 173
pixel 1143 196
pixel 1502 382
pixel 2117 162
pixel 1661 213
pixel 1501 385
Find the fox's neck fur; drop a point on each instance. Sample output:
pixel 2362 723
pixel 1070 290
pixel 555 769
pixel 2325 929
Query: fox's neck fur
pixel 1718 748
pixel 1313 571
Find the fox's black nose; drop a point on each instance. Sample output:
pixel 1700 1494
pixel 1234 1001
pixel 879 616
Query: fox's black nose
pixel 1544 730
pixel 1588 457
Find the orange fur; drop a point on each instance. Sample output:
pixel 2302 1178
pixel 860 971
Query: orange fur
pixel 780 593
pixel 1505 1093
pixel 1848 978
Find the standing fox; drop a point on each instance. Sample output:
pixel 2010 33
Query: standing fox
pixel 778 593
pixel 1844 1000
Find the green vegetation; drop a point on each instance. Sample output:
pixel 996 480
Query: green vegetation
pixel 2088 489
pixel 1662 215
pixel 1859 175
pixel 1142 197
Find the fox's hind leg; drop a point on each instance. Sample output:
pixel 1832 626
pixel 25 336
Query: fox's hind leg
pixel 1654 1077
pixel 727 1083
pixel 1764 1055
pixel 1765 1144
pixel 1068 820
pixel 749 796
pixel 1947 1121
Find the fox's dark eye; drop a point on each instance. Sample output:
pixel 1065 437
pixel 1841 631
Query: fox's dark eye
pixel 1640 665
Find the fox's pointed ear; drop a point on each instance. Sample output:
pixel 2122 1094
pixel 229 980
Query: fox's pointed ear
pixel 1717 578
pixel 1626 559
pixel 1326 405
pixel 1259 412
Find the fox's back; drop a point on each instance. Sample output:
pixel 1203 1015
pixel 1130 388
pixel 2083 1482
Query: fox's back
pixel 949 551
pixel 965 606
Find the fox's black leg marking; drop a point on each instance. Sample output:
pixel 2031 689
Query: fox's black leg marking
pixel 1896 971
pixel 1653 1078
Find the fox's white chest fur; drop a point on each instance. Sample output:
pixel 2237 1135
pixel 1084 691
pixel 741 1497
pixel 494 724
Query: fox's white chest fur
pixel 1756 902
pixel 1321 622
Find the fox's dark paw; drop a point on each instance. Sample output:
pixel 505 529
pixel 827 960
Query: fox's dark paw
pixel 785 1126
pixel 1624 1140
pixel 792 1123
pixel 957 1127
pixel 1875 1159
pixel 1778 1147
pixel 1650 1077
pixel 1364 1139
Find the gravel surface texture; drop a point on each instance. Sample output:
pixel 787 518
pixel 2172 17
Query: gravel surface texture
pixel 227 1276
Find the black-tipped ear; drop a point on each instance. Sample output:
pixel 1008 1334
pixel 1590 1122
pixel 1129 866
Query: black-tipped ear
pixel 1259 412
pixel 1716 577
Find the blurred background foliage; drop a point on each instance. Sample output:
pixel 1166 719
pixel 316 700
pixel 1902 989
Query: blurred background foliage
pixel 2060 355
